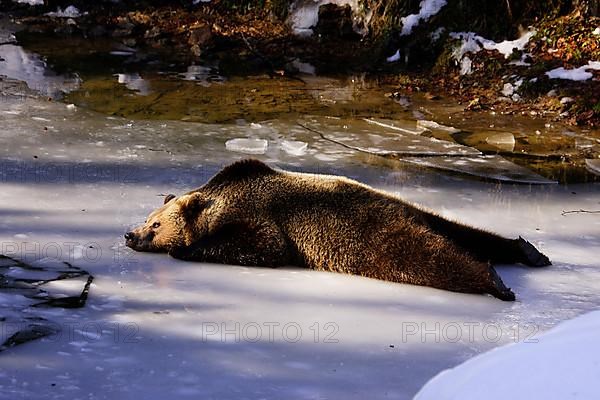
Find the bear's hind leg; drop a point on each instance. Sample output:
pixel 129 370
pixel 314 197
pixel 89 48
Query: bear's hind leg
pixel 530 255
pixel 422 257
pixel 486 246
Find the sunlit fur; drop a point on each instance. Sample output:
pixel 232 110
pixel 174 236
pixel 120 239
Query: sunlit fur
pixel 250 214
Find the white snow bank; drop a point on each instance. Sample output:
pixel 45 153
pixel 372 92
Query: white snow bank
pixel 560 364
pixel 69 12
pixel 472 43
pixel 428 8
pixel 576 74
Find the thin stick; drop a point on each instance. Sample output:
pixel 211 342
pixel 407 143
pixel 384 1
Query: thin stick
pixel 395 153
pixel 580 211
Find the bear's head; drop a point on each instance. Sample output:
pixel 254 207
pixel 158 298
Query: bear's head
pixel 177 223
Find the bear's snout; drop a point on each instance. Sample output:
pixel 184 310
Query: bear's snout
pixel 128 236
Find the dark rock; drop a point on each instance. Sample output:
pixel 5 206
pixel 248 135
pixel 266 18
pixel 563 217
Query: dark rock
pixel 200 38
pixel 335 22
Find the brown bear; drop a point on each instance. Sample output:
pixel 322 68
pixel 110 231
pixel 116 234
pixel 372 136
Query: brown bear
pixel 250 214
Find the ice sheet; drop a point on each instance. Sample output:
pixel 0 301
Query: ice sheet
pixel 161 328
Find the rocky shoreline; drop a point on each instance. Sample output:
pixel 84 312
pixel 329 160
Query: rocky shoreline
pixel 247 41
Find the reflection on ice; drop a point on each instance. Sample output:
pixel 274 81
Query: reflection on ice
pixel 135 82
pixel 17 63
pixel 204 75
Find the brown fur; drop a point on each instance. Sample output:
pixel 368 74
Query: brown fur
pixel 250 214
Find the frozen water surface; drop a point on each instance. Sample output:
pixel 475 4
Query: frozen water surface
pixel 162 328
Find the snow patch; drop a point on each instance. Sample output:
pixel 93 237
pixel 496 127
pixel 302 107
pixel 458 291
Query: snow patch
pixel 69 12
pixel 428 8
pixel 394 58
pixel 31 2
pixel 437 34
pixel 466 66
pixel 576 74
pixel 565 361
pixel 473 43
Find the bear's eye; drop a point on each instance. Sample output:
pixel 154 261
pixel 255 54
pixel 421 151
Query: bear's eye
pixel 156 225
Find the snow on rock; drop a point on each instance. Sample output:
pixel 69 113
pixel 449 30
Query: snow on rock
pixel 31 2
pixel 247 146
pixel 576 74
pixel 560 364
pixel 305 14
pixel 395 57
pixel 428 8
pixel 473 43
pixel 69 12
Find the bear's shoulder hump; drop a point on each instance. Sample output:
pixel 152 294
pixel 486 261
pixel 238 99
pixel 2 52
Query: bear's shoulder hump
pixel 242 170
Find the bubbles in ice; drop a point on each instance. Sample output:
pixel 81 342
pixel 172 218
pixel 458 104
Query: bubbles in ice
pixel 294 147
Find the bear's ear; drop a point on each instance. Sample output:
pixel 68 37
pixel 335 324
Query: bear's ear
pixel 192 204
pixel 169 197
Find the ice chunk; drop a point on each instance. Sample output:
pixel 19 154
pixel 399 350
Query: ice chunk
pixel 434 125
pixel 294 147
pixel 565 361
pixel 368 139
pixel 489 167
pixel 593 165
pixel 502 140
pixel 247 146
pixel 402 126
